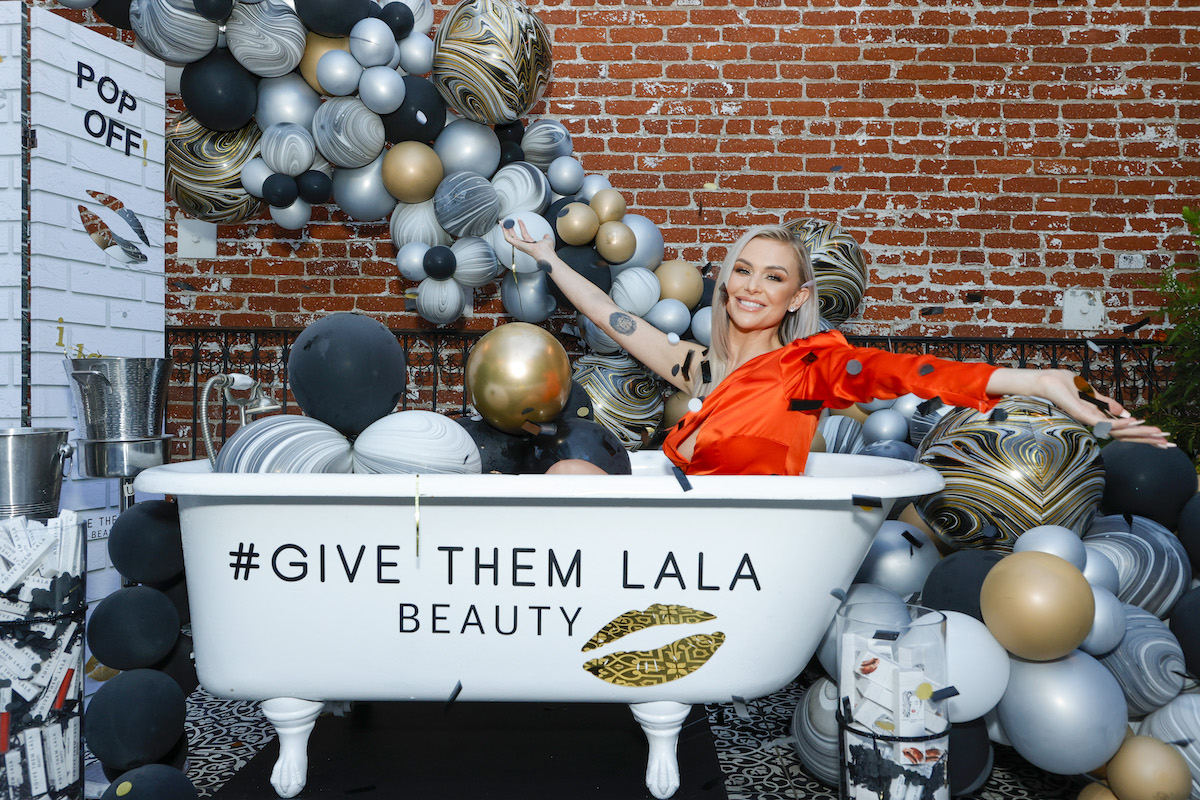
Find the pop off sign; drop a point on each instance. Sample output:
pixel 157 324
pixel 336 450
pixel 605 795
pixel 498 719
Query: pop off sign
pixel 104 122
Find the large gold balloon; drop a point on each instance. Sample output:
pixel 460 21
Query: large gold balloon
pixel 315 46
pixel 609 205
pixel 412 172
pixel 1148 769
pixel 1038 606
pixel 518 374
pixel 681 281
pixel 577 224
pixel 615 242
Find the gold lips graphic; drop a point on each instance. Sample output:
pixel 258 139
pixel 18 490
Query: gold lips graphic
pixel 670 662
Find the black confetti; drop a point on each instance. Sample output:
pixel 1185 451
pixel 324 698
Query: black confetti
pixel 810 358
pixel 974 297
pixel 889 636
pixel 932 310
pixel 914 541
pixel 674 370
pixel 687 365
pixel 705 372
pixel 1141 323
pixel 804 405
pixel 866 502
pixel 854 367
pixel 454 695
pixel 944 694
pixel 684 483
pixel 930 405
pixel 925 369
pixel 998 415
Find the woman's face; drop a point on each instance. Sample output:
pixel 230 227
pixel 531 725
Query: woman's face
pixel 764 285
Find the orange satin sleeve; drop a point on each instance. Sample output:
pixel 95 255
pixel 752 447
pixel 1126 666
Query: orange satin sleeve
pixel 761 419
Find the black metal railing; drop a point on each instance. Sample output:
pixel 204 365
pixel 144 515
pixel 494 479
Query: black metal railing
pixel 1130 371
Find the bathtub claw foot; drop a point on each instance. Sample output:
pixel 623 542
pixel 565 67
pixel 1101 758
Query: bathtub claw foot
pixel 293 721
pixel 662 721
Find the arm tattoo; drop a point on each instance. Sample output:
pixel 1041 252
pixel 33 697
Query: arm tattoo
pixel 622 323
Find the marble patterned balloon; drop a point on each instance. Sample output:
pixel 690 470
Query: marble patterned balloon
pixel 815 731
pixel 466 204
pixel 1178 722
pixel 597 340
pixel 288 148
pixel 546 140
pixel 922 422
pixel 347 132
pixel 625 397
pixel 415 441
pixel 521 187
pixel 1022 465
pixel 266 38
pixel 417 222
pixel 842 434
pixel 172 30
pixel 440 301
pixel 840 268
pixel 1148 663
pixel 636 290
pixel 491 60
pixel 285 443
pixel 476 261
pixel 1152 565
pixel 203 170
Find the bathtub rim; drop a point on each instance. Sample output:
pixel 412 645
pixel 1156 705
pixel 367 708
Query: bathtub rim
pixel 831 477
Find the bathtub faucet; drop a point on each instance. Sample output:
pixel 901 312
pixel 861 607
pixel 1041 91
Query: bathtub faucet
pixel 259 401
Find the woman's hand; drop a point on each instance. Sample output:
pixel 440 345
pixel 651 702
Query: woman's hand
pixel 539 250
pixel 1073 395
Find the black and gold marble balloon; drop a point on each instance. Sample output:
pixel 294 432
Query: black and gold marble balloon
pixel 204 170
pixel 1008 472
pixel 626 399
pixel 839 266
pixel 491 60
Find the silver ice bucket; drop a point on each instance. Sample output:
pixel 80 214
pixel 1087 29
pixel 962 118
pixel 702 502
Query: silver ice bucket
pixel 119 398
pixel 32 465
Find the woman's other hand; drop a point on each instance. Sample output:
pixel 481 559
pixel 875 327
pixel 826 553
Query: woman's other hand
pixel 1076 397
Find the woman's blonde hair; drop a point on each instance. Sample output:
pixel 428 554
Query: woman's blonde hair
pixel 802 322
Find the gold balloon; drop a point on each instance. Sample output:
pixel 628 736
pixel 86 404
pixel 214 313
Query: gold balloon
pixel 819 445
pixel 412 172
pixel 853 412
pixel 1147 769
pixel 577 224
pixel 674 409
pixel 615 242
pixel 315 46
pixel 1096 791
pixel 1038 606
pixel 518 374
pixel 609 205
pixel 681 281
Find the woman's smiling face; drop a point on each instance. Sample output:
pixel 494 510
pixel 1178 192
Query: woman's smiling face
pixel 764 285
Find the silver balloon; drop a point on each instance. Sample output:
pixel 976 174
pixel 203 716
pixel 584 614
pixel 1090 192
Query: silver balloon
pixel 338 73
pixel 371 42
pixel 416 54
pixel 669 316
pixel 360 192
pixel 1065 716
pixel 410 261
pixel 78 5
pixel 1055 540
pixel 381 89
pixel 648 250
pixel 288 148
pixel 876 405
pixel 885 425
pixel 702 326
pixel 1101 571
pixel 526 297
pixel 635 290
pixel 827 650
pixel 1108 627
pixel 254 173
pixel 900 559
pixel 890 448
pixel 476 261
pixel 597 340
pixel 416 222
pixel 591 184
pixel 466 146
pixel 440 302
pixel 815 731
pixel 566 175
pixel 286 99
pixel 293 217
pixel 907 404
pixel 544 141
pixel 394 63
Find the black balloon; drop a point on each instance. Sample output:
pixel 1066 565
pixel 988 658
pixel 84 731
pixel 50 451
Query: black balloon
pixel 399 18
pixel 179 664
pixel 374 11
pixel 498 451
pixel 135 718
pixel 579 438
pixel 176 590
pixel 1146 481
pixel 133 628
pixel 1189 529
pixel 151 782
pixel 706 297
pixel 971 758
pixel 175 758
pixel 332 17
pixel 144 543
pixel 1185 624
pixel 219 92
pixel 954 582
pixel 314 186
pixel 440 262
pixel 510 153
pixel 215 10
pixel 512 132
pixel 114 12
pixel 280 190
pixel 551 215
pixel 588 263
pixel 347 370
pixel 579 403
pixel 422 115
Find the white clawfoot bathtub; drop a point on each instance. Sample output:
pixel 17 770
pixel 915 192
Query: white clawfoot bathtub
pixel 641 589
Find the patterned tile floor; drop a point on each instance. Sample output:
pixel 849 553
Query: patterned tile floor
pixel 754 751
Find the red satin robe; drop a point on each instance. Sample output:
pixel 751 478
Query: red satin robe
pixel 761 419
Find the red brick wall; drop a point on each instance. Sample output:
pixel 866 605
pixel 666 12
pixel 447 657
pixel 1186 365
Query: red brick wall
pixel 1002 150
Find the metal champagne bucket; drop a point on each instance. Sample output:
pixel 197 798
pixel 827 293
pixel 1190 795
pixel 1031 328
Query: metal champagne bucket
pixel 32 465
pixel 119 399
